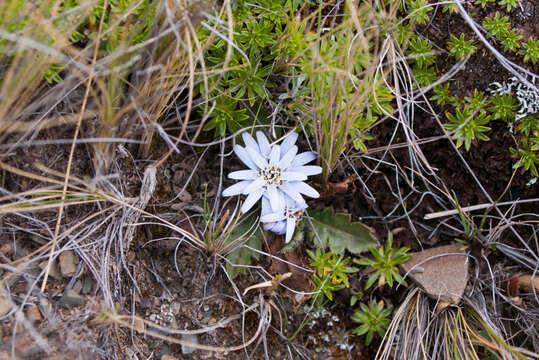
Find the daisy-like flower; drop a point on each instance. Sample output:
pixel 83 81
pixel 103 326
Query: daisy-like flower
pixel 283 221
pixel 274 171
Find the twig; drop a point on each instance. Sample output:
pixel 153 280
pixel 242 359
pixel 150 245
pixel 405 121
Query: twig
pixel 474 207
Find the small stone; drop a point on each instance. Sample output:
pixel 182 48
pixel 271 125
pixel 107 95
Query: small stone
pixel 54 270
pixel 168 357
pixel 33 313
pixel 5 306
pixel 71 299
pixel 67 263
pixel 139 325
pixel 186 349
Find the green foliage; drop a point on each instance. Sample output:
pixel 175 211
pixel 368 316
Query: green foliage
pixel 225 116
pixel 530 50
pixel 53 74
pixel 510 4
pixel 331 273
pixel 424 76
pixel 373 319
pixel 510 40
pixel 460 47
pixel 528 125
pixel 442 95
pixel 467 126
pixel 497 25
pixel 504 107
pixel 251 81
pixel 483 3
pixel 418 11
pixel 338 232
pixel 528 153
pixel 477 102
pixel 420 52
pixel 385 263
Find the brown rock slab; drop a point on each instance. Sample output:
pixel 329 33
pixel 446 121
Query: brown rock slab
pixel 442 277
pixel 67 263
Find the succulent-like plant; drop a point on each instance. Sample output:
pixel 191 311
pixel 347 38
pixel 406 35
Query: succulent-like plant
pixel 373 319
pixel 467 126
pixel 460 47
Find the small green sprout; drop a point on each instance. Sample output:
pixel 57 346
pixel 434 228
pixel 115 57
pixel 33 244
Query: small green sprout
pixel 418 10
pixel 530 50
pixel 330 273
pixel 420 52
pixel 385 263
pixel 225 116
pixel 510 4
pixel 504 107
pixel 424 76
pixel 528 156
pixel 373 319
pixel 497 25
pixel 477 101
pixel 483 3
pixel 460 47
pixel 528 125
pixel 442 95
pixel 467 126
pixel 510 41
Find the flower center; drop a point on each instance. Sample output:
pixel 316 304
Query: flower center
pixel 271 175
pixel 293 213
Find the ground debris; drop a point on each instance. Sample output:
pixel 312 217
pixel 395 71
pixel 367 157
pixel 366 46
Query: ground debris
pixel 72 299
pixel 442 276
pixel 67 263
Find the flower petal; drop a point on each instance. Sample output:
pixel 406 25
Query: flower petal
pixel 243 155
pixel 278 227
pixel 257 159
pixel 305 189
pixel 237 188
pixel 290 176
pixel 244 175
pixel 251 199
pixel 273 217
pixel 291 191
pixel 290 226
pixel 254 186
pixel 303 158
pixel 276 199
pixel 309 170
pixel 288 142
pixel 275 155
pixel 286 160
pixel 263 143
pixel 250 142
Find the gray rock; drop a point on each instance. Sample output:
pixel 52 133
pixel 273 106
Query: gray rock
pixel 67 263
pixel 72 299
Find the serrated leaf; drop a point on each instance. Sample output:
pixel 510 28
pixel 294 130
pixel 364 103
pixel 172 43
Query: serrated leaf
pixel 339 233
pixel 249 228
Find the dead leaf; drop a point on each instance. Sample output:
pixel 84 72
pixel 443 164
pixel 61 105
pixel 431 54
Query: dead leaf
pixel 300 280
pixel 331 189
pixel 442 277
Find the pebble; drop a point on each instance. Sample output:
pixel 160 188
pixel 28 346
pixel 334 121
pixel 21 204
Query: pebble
pixel 5 306
pixel 54 271
pixel 33 313
pixel 71 299
pixel 67 263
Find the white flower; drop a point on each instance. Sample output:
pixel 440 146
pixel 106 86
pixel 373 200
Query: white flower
pixel 274 171
pixel 283 221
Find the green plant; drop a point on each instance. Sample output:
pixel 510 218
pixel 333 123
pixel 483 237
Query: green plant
pixel 385 263
pixel 460 47
pixel 467 126
pixel 529 159
pixel 442 95
pixel 510 4
pixel 530 50
pixel 251 81
pixel 504 107
pixel 497 25
pixel 528 125
pixel 424 76
pixel 483 3
pixel 372 319
pixel 225 115
pixel 477 102
pixel 418 11
pixel 420 52
pixel 510 40
pixel 331 273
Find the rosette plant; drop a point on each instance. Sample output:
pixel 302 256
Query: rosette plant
pixel 275 174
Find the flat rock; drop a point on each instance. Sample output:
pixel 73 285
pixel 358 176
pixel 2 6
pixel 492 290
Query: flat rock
pixel 71 299
pixel 67 263
pixel 54 270
pixel 442 277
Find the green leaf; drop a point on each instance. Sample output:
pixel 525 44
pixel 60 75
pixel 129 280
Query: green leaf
pixel 242 255
pixel 339 233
